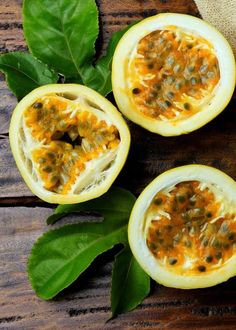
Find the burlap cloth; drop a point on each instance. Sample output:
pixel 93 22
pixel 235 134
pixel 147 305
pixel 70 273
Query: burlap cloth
pixel 221 14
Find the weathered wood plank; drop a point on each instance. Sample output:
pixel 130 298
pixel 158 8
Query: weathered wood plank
pixel 86 304
pixel 150 155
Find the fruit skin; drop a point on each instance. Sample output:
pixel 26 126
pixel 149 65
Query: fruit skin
pixel 100 101
pixel 137 242
pixel 216 105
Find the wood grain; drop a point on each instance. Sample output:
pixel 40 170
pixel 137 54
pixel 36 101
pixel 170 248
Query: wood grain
pixel 86 304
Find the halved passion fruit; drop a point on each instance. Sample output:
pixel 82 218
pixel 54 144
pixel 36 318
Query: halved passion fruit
pixel 182 229
pixel 173 73
pixel 68 142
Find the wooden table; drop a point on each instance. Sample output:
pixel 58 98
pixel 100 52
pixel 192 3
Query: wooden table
pixel 86 304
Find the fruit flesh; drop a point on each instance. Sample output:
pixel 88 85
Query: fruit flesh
pixel 64 136
pixel 172 74
pixel 188 228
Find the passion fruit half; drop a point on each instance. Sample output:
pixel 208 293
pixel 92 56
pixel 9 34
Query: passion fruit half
pixel 69 143
pixel 173 73
pixel 182 229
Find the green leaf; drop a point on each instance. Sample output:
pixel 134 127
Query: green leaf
pixel 130 284
pixel 99 77
pixel 117 201
pixel 62 33
pixel 24 73
pixel 61 255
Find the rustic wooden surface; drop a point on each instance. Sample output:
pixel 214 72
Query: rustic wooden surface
pixel 85 305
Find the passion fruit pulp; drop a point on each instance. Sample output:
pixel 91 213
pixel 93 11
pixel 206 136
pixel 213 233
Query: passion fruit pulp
pixel 69 142
pixel 173 73
pixel 182 229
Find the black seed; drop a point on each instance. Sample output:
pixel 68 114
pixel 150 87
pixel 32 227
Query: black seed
pixel 157 87
pixel 186 106
pixel 226 246
pixel 164 75
pixel 51 155
pixel 172 261
pixel 47 169
pixel 158 201
pixel 150 66
pixel 152 246
pixel 136 91
pixel 209 259
pixel 209 214
pixel 169 227
pixel 168 103
pixel 160 240
pixel 38 105
pixel 192 203
pixel 170 95
pixel 218 255
pixel 231 237
pixel 181 199
pixel 201 268
pixel 153 94
pixel 189 46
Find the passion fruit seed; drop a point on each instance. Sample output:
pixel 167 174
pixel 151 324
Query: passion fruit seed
pixel 38 105
pixel 201 268
pixel 172 261
pixel 136 91
pixel 187 106
pixel 156 66
pixel 48 169
pixel 190 227
pixel 218 255
pixel 158 201
pixel 209 259
pixel 181 199
pixel 68 142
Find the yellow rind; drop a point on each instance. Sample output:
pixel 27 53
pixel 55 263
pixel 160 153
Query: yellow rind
pixel 137 242
pixel 226 64
pixel 104 104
